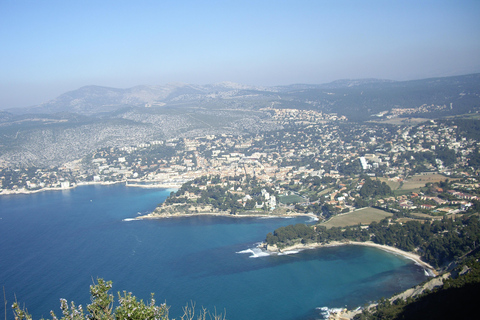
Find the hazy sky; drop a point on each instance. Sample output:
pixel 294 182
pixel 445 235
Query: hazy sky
pixel 50 47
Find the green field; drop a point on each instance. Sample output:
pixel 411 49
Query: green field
pixel 362 216
pixel 419 181
pixel 325 191
pixel 401 121
pixel 425 216
pixel 394 185
pixel 290 199
pixel 413 183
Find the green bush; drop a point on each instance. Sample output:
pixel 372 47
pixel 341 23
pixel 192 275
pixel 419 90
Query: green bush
pixel 129 308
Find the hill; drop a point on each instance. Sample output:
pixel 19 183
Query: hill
pixel 92 117
pixel 359 99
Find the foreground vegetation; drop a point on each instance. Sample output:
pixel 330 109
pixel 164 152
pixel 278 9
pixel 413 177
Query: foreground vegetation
pixel 129 307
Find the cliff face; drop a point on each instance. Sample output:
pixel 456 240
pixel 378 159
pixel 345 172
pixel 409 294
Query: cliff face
pixel 452 295
pixel 410 293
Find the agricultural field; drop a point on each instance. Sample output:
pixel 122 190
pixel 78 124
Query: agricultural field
pixel 401 121
pixel 419 181
pixel 425 216
pixel 362 216
pixel 413 183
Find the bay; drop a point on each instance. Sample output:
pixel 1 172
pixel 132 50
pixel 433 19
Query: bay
pixel 54 244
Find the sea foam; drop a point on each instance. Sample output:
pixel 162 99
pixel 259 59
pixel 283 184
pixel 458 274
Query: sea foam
pixel 325 312
pixel 255 252
pixel 428 273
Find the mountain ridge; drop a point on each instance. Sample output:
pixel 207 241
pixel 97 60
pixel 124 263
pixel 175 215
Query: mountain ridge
pixel 354 98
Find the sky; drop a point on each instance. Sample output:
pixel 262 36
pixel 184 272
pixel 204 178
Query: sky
pixel 50 47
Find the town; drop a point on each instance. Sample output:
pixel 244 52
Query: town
pixel 318 163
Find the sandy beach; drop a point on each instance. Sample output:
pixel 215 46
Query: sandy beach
pixel 409 255
pixel 341 313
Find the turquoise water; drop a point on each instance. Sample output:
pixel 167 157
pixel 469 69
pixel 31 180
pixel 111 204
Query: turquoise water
pixel 53 243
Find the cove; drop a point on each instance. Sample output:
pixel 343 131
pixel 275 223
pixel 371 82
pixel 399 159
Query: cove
pixel 52 244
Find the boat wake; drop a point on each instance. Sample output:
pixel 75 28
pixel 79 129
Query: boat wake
pixel 129 219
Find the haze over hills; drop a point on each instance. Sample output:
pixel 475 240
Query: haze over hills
pixel 356 99
pixel 80 121
pixel 92 99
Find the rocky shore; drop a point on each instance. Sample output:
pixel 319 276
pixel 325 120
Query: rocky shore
pixel 345 314
pixel 190 210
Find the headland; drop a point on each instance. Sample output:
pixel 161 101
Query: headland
pixel 181 210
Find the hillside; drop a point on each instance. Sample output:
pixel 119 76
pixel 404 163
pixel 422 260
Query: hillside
pixel 92 117
pixel 356 99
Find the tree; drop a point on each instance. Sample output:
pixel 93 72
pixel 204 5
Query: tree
pixel 129 308
pixel 374 188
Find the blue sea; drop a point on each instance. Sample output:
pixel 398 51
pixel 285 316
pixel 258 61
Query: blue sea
pixel 54 244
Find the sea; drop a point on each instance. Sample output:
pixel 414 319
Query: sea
pixel 55 244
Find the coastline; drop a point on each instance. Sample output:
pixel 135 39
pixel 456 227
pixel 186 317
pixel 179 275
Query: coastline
pixel 343 313
pixel 154 215
pixel 102 183
pixel 25 191
pixel 409 255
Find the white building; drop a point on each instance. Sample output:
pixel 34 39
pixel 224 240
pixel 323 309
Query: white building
pixel 365 165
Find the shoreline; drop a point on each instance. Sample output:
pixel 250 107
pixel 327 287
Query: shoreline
pixel 406 254
pixel 409 255
pixel 221 214
pixel 102 183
